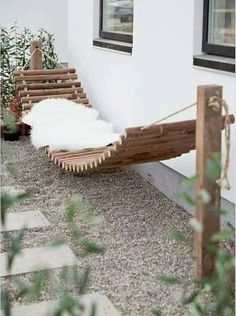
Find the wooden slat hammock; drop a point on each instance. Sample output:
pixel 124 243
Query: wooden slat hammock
pixel 136 145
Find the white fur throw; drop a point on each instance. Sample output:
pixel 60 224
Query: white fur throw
pixel 64 125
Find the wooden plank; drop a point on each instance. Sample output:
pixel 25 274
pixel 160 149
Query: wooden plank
pixel 74 157
pixel 36 61
pixel 90 163
pixel 43 258
pixel 35 99
pixel 29 220
pixel 64 153
pixel 138 160
pixel 28 106
pixel 83 101
pixel 169 129
pixel 146 155
pixel 45 77
pixel 50 92
pixel 208 142
pixel 149 141
pixel 44 72
pixel 160 128
pixel 158 148
pixel 51 85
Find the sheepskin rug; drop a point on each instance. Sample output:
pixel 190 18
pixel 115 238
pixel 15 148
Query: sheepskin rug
pixel 64 125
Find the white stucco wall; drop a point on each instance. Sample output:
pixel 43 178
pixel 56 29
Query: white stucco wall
pixel 49 14
pixel 158 78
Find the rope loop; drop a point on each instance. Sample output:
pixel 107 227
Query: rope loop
pixel 216 103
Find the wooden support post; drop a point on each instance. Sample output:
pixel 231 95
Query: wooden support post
pixel 36 60
pixel 208 142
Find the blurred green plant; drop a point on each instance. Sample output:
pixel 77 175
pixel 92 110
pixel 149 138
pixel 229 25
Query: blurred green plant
pixel 15 53
pixel 10 121
pixel 69 277
pixel 221 286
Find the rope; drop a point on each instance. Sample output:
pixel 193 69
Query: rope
pixel 32 54
pixel 168 116
pixel 49 57
pixel 215 103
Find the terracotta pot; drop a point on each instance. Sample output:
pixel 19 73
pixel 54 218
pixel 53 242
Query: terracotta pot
pixel 24 129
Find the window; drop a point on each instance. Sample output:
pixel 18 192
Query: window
pixel 219 27
pixel 116 20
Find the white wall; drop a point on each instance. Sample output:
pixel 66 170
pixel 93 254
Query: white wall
pixel 158 78
pixel 49 14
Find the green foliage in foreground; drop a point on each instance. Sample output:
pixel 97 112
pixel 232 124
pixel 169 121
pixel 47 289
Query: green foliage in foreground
pixel 219 288
pixel 68 278
pixel 15 53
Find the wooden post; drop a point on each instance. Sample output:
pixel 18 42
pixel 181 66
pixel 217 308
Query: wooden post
pixel 208 142
pixel 36 60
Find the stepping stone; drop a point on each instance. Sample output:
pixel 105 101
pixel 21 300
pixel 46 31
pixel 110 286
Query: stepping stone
pixel 30 219
pixel 31 260
pixel 104 307
pixel 12 190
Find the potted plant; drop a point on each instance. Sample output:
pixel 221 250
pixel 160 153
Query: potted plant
pixel 11 130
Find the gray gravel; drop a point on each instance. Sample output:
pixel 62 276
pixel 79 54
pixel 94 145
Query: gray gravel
pixel 135 231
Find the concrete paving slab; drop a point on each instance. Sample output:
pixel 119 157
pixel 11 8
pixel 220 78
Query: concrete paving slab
pixel 29 220
pixel 31 260
pixel 104 307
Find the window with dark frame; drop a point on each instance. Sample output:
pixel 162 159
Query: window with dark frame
pixel 116 20
pixel 219 27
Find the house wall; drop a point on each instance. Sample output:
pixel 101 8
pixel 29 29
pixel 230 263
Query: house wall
pixel 158 78
pixel 51 15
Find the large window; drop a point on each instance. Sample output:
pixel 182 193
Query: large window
pixel 219 27
pixel 116 21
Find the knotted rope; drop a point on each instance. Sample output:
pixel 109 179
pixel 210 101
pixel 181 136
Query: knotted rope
pixel 216 103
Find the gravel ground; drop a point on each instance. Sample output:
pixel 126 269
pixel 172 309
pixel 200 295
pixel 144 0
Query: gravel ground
pixel 135 231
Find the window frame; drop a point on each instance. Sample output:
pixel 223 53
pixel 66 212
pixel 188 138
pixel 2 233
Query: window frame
pixel 122 37
pixel 220 50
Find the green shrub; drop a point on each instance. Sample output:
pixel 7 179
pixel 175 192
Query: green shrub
pixel 15 53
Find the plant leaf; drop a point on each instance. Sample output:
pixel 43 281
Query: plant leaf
pixel 171 280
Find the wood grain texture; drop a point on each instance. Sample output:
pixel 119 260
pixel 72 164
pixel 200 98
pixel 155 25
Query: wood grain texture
pixel 36 61
pixel 208 142
pixel 45 77
pixel 173 141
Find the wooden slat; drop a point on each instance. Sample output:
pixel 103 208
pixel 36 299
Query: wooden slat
pixel 45 77
pixel 148 141
pixel 35 99
pixel 85 102
pixel 160 128
pixel 89 165
pixel 56 85
pixel 44 72
pixel 154 148
pixel 50 92
pixel 180 127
